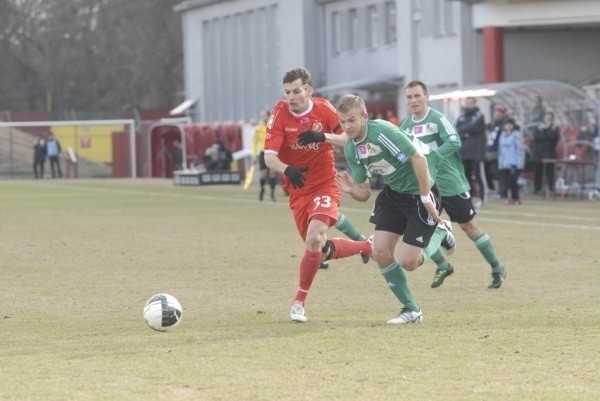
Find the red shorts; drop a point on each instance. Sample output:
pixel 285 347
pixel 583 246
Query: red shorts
pixel 323 201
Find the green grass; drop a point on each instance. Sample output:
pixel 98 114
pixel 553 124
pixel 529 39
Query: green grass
pixel 79 258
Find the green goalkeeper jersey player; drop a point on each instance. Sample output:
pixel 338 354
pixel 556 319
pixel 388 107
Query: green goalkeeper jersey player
pixel 434 129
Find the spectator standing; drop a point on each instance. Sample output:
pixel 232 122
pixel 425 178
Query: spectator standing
pixel 39 156
pixel 536 116
pixel 177 155
pixel 545 139
pixel 511 159
pixel 471 129
pixel 53 151
pixel 494 129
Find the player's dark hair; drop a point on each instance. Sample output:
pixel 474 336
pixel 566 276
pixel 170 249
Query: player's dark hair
pixel 415 83
pixel 298 73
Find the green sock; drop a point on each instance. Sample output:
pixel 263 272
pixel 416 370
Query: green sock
pixel 345 226
pixel 485 247
pixel 434 243
pixel 396 281
pixel 438 258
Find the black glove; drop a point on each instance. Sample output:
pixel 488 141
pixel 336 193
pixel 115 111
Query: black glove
pixel 296 175
pixel 308 137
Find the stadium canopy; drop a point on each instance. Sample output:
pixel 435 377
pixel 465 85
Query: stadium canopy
pixel 569 103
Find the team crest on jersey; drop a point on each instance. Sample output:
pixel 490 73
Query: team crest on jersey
pixel 317 126
pixel 426 129
pixel 431 128
pixel 373 149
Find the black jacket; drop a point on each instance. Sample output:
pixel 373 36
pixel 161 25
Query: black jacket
pixel 471 129
pixel 544 142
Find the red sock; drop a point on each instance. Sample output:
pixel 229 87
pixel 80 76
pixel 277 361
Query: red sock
pixel 346 247
pixel 309 266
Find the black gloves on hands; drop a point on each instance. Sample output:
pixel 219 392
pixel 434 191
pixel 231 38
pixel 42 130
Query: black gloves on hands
pixel 308 137
pixel 296 175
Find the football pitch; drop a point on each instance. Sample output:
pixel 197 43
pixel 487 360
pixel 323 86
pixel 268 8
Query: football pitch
pixel 79 258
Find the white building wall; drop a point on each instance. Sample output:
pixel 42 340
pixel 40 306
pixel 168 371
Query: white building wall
pixel 363 61
pixel 237 51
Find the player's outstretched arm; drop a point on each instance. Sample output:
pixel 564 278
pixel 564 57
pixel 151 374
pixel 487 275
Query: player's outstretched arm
pixel 360 192
pixel 309 137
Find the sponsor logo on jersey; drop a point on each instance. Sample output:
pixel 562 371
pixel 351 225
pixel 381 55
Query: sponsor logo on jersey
pixel 453 138
pixel 363 152
pixel 391 285
pixel 381 167
pixel 419 239
pixel 310 146
pixel 291 129
pixel 426 129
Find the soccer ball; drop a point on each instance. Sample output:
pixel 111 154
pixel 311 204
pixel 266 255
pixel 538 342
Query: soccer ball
pixel 162 312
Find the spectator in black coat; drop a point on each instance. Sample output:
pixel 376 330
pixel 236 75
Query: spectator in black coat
pixel 39 157
pixel 472 131
pixel 545 138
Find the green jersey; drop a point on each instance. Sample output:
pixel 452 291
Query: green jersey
pixel 385 150
pixel 439 134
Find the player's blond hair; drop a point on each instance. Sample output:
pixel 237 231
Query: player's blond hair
pixel 351 102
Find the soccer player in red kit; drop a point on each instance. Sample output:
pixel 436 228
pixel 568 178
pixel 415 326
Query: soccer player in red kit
pixel 310 172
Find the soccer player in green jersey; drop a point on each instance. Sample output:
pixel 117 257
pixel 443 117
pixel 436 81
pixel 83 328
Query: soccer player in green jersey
pixel 433 128
pixel 405 207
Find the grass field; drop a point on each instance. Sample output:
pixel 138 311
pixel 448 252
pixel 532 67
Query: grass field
pixel 80 258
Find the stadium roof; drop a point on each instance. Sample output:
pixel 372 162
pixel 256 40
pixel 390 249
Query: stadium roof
pixel 566 101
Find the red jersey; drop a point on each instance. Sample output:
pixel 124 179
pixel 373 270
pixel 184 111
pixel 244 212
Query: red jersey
pixel 283 130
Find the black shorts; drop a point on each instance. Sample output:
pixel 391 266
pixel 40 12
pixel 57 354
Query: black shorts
pixel 261 161
pixel 459 207
pixel 404 215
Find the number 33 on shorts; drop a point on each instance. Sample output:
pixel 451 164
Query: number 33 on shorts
pixel 322 202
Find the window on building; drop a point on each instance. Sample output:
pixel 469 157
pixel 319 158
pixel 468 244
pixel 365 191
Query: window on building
pixel 352 29
pixel 390 22
pixel 336 33
pixel 449 28
pixel 443 18
pixel 372 27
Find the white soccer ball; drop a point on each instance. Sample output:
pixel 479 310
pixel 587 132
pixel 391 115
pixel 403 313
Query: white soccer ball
pixel 162 312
